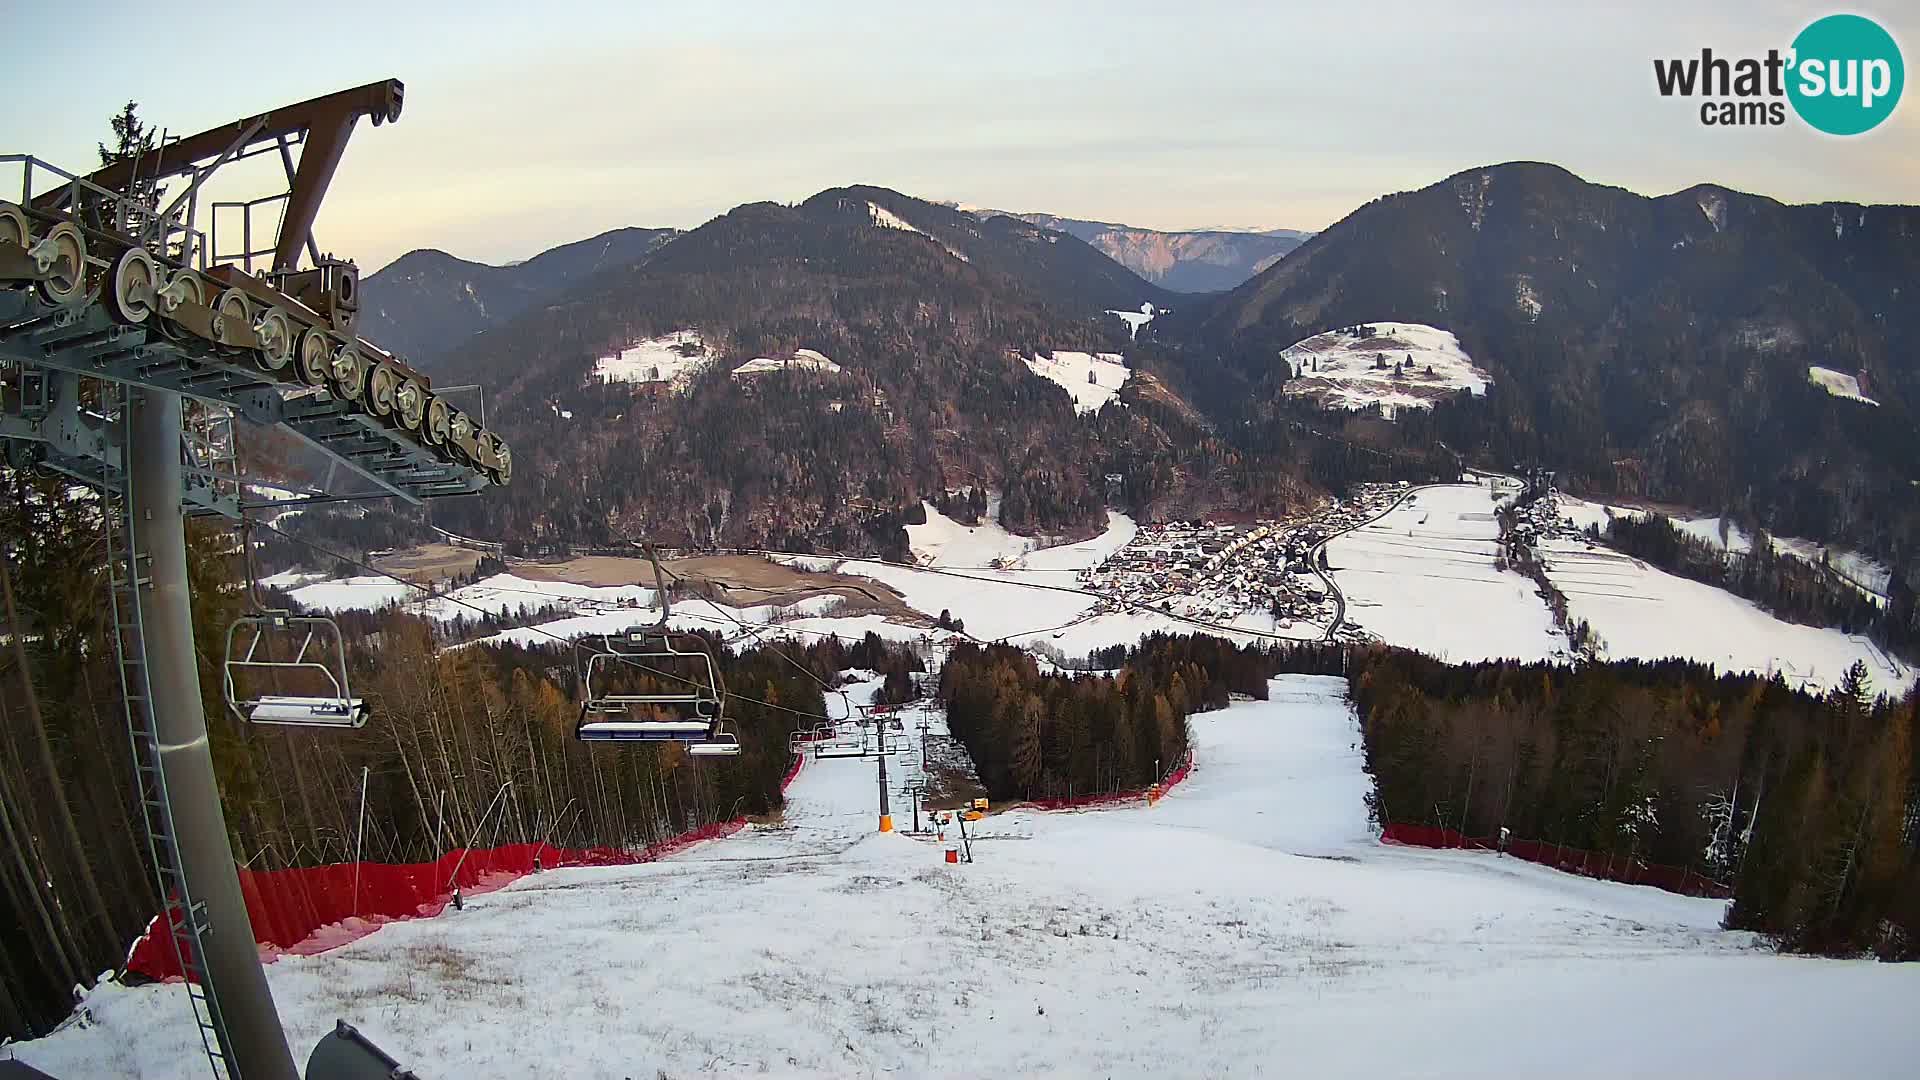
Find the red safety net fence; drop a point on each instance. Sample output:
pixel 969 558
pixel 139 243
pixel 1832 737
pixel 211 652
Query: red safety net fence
pixel 1117 798
pixel 310 909
pixel 1593 864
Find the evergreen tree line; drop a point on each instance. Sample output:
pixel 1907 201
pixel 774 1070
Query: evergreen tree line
pixel 1782 583
pixel 1806 804
pixel 1046 735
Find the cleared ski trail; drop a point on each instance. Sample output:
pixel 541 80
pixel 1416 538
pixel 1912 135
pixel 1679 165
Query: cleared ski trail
pixel 1248 925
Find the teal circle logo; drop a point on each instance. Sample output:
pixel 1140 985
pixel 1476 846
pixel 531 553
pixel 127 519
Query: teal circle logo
pixel 1846 74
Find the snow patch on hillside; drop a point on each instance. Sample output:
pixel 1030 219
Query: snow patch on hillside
pixel 1838 383
pixel 1091 379
pixel 801 360
pixel 1354 367
pixel 1136 319
pixel 944 542
pixel 884 218
pixel 1525 298
pixel 672 358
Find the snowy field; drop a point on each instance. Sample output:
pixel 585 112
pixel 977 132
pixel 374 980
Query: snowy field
pixel 1249 925
pixel 1091 379
pixel 1339 368
pixel 1641 612
pixel 500 594
pixel 1423 577
pixel 801 360
pixel 1838 383
pixel 672 358
pixel 1136 319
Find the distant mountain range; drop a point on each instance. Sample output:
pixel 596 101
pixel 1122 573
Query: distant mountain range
pixel 427 301
pixel 1652 347
pixel 1198 260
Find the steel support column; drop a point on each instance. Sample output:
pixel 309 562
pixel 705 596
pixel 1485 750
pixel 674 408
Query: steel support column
pixel 258 1049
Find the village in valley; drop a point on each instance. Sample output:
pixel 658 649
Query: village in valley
pixel 1267 576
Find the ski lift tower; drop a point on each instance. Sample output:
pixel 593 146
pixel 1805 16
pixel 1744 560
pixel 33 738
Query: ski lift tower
pixel 129 343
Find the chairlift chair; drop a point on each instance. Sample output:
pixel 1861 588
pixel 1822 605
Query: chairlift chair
pixel 723 744
pixel 688 712
pixel 308 689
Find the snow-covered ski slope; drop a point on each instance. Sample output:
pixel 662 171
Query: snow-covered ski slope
pixel 1247 926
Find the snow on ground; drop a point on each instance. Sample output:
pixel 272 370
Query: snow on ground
pixel 1338 368
pixel 1246 926
pixel 1136 319
pixel 672 358
pixel 1091 379
pixel 1584 514
pixel 501 594
pixel 884 218
pixel 993 604
pixel 1871 577
pixel 801 360
pixel 942 541
pixel 1838 383
pixel 688 614
pixel 1646 613
pixel 1423 577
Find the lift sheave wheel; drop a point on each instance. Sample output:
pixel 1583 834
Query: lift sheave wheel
pixel 14 228
pixel 313 357
pixel 183 287
pixel 233 313
pixel 132 287
pixel 381 386
pixel 410 405
pixel 62 257
pixel 275 332
pixel 347 377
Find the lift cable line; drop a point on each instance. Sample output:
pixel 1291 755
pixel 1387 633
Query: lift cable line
pixel 131 342
pixel 756 633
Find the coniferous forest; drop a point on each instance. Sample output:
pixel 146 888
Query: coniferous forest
pixel 1807 805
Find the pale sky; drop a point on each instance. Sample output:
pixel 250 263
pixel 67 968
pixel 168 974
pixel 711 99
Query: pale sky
pixel 533 124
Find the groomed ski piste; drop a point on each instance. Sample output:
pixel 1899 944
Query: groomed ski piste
pixel 1250 924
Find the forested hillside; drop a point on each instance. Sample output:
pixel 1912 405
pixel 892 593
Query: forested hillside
pixel 1648 347
pixel 926 323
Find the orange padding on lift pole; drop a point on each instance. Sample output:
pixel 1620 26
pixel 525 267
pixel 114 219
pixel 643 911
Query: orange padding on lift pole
pixel 886 822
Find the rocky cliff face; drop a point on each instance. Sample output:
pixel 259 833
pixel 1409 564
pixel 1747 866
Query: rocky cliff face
pixel 1201 260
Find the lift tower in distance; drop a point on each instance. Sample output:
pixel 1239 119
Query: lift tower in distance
pixel 130 343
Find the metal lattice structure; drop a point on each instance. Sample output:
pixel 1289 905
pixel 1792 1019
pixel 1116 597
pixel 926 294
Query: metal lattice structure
pixel 130 351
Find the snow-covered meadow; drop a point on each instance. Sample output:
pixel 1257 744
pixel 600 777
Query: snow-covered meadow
pixel 670 358
pixel 1642 612
pixel 1344 370
pixel 1248 925
pixel 1424 576
pixel 1090 379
